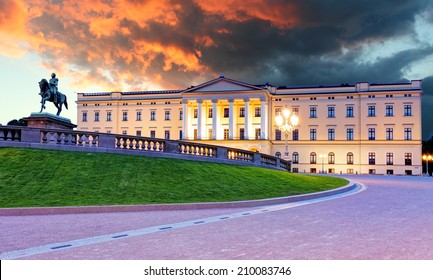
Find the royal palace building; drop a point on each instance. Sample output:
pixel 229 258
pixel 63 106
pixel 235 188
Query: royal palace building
pixel 349 129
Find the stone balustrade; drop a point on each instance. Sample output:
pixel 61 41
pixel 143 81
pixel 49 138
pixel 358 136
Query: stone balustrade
pixel 64 139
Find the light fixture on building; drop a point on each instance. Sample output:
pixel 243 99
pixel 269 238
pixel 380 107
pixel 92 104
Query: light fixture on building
pixel 286 125
pixel 427 158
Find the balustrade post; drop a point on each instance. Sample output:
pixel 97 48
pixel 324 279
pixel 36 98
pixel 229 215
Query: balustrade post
pixel 32 135
pixel 257 158
pixel 107 140
pixel 171 147
pixel 221 152
pixel 278 162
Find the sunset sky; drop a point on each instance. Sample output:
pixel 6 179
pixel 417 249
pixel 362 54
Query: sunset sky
pixel 149 45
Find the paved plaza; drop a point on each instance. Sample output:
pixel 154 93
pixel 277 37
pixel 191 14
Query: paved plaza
pixel 391 218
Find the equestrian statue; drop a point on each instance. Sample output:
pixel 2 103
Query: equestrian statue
pixel 49 92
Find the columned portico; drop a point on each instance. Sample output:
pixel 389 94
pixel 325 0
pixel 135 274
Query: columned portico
pixel 185 116
pixel 264 119
pixel 247 119
pixel 199 119
pixel 215 119
pixel 231 119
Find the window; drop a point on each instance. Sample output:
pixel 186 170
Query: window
pixel 242 112
pixel 152 134
pixel 226 112
pixel 125 116
pixel 242 134
pixel 138 116
pixel 278 154
pixel 295 135
pixel 226 133
pixel 389 134
pixel 408 134
pixel 349 171
pixel 331 134
pixel 257 112
pixel 313 158
pixel 209 113
pixel 389 158
pixel 389 111
pixel 277 134
pixel 313 134
pixel 108 116
pixel 408 159
pixel 180 116
pixel 84 117
pixel 371 111
pixel 371 134
pixel 153 115
pixel 349 134
pixel 371 158
pixel 138 133
pixel 167 115
pixel 295 157
pixel 331 158
pixel 195 134
pixel 124 132
pixel 195 112
pixel 96 116
pixel 349 111
pixel 407 110
pixel 167 134
pixel 331 112
pixel 180 134
pixel 313 112
pixel 258 133
pixel 295 111
pixel 349 158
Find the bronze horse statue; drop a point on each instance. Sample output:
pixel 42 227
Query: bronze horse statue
pixel 48 96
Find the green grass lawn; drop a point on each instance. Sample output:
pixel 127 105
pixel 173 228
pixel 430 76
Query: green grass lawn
pixel 31 177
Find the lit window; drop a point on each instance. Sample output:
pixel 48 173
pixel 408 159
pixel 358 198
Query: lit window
pixel 389 158
pixel 408 110
pixel 349 158
pixel 295 157
pixel 257 112
pixel 371 134
pixel 389 111
pixel 313 158
pixel 313 134
pixel 372 111
pixel 349 134
pixel 331 158
pixel 371 158
pixel 389 134
pixel 408 134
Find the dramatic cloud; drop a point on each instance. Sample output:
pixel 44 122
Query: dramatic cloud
pixel 139 45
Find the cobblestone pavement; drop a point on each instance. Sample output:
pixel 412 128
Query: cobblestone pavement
pixel 391 219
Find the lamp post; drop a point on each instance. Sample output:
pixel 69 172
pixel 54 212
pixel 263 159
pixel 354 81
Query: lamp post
pixel 287 125
pixel 322 156
pixel 427 158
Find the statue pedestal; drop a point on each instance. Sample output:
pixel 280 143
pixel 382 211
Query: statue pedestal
pixel 47 120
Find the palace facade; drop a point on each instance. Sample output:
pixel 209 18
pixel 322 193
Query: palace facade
pixel 349 129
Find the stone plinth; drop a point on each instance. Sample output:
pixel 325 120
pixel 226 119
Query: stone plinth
pixel 47 120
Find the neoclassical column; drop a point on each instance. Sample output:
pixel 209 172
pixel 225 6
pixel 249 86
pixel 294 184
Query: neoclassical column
pixel 199 119
pixel 184 119
pixel 247 118
pixel 231 119
pixel 264 119
pixel 214 119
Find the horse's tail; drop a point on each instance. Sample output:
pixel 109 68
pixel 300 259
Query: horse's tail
pixel 66 102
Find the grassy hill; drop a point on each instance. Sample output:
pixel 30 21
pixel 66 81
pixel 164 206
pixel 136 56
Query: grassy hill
pixel 31 177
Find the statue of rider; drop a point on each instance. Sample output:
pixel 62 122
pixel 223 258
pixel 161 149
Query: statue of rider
pixel 53 87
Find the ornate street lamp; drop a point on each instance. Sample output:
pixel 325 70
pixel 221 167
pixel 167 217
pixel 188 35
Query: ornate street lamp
pixel 286 125
pixel 427 158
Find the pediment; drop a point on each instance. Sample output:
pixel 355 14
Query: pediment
pixel 222 85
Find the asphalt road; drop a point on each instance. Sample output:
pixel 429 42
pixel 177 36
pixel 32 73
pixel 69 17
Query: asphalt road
pixel 391 219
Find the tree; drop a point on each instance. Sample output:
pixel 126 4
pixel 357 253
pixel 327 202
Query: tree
pixel 20 122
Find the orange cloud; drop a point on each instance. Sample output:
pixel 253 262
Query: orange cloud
pixel 282 15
